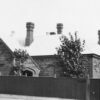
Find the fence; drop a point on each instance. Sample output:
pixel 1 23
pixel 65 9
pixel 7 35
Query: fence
pixel 44 87
pixel 95 89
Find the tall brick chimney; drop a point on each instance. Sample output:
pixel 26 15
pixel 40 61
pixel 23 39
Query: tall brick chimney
pixel 29 36
pixel 59 28
pixel 99 37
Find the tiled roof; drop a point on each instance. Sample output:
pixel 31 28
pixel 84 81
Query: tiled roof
pixel 46 45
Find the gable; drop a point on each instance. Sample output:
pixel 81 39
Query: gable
pixel 3 46
pixel 5 52
pixel 31 65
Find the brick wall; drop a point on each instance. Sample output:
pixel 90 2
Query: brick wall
pixel 48 65
pixel 5 59
pixel 87 60
pixel 96 67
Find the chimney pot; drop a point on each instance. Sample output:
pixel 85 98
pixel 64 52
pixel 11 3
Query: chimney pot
pixel 99 37
pixel 59 28
pixel 29 25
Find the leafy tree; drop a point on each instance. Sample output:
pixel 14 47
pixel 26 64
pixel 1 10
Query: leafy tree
pixel 20 57
pixel 70 52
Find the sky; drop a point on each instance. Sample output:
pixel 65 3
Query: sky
pixel 76 15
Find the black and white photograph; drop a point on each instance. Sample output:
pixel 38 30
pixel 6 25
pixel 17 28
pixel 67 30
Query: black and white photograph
pixel 49 49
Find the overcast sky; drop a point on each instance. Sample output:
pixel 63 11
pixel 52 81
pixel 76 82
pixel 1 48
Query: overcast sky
pixel 76 15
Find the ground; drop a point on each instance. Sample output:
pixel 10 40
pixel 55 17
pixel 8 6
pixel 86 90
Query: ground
pixel 17 97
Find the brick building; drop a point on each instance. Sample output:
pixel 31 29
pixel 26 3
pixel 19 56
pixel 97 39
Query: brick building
pixel 48 63
pixel 7 60
pixel 43 64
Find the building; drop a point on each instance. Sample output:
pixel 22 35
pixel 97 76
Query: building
pixel 48 64
pixel 40 63
pixel 6 58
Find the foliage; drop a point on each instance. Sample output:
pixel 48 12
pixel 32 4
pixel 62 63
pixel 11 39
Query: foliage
pixel 20 57
pixel 70 52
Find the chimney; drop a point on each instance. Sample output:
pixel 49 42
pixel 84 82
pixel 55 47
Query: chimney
pixel 29 36
pixel 59 28
pixel 99 37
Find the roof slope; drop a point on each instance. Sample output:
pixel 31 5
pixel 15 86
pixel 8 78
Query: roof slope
pixel 41 45
pixel 46 45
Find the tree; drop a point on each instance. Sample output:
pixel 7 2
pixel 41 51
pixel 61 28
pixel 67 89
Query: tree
pixel 70 52
pixel 20 56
